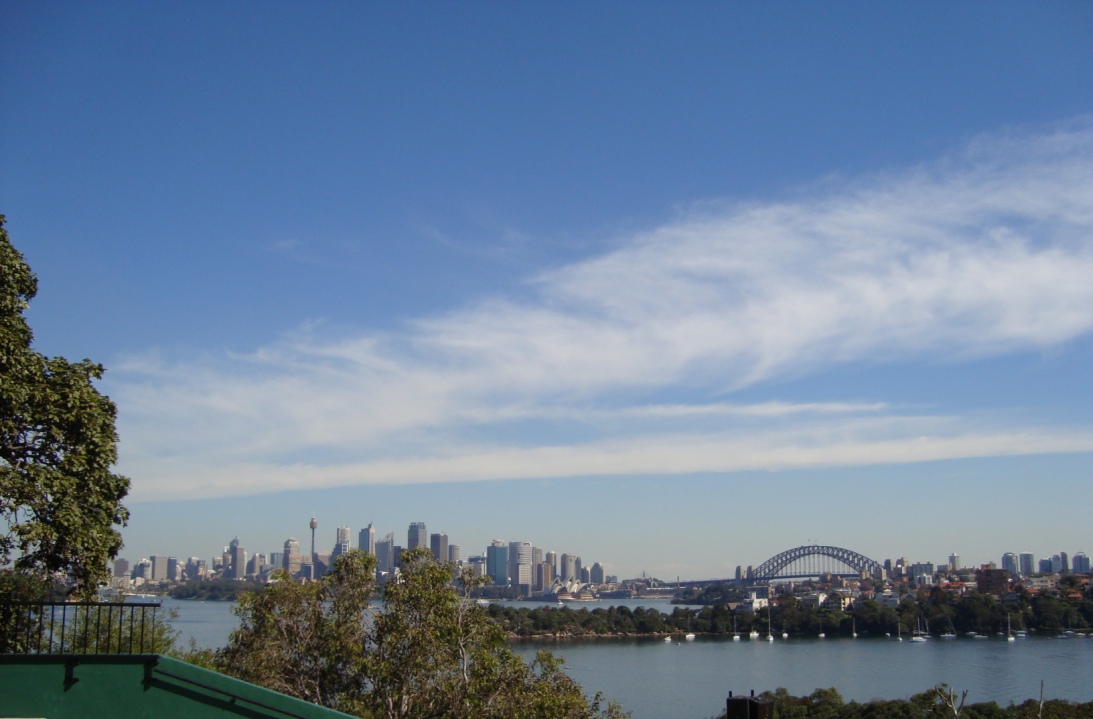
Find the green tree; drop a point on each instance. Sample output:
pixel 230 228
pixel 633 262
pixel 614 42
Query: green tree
pixel 428 652
pixel 59 501
pixel 307 640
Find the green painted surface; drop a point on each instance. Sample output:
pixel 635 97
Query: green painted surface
pixel 136 687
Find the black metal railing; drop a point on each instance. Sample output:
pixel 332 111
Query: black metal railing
pixel 80 628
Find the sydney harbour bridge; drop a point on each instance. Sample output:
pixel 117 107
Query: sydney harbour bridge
pixel 809 561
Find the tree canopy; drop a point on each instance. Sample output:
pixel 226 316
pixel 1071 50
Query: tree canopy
pixel 428 651
pixel 60 502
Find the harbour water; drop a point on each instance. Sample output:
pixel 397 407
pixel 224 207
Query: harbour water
pixel 690 679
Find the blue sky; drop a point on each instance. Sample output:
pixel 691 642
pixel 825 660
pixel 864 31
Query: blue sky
pixel 673 288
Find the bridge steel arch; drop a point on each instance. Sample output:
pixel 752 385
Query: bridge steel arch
pixel 772 568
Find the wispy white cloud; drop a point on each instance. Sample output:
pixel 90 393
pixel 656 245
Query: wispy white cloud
pixel 982 253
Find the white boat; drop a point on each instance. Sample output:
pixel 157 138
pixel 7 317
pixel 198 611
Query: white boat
pixel 753 634
pixel 1009 629
pixel 853 627
pixel 919 635
pixel 668 639
pixel 689 637
pixel 735 634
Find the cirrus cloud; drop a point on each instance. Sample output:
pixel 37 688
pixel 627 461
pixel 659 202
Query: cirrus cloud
pixel 980 254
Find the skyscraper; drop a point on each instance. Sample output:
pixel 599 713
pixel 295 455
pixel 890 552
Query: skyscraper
pixel 1026 563
pixel 497 562
pixel 1009 563
pixel 438 543
pixel 455 553
pixel 238 560
pixel 552 559
pixel 597 574
pixel 1080 563
pixel 1064 563
pixel 520 564
pixel 568 568
pixel 418 536
pixel 341 546
pixel 385 553
pixel 159 568
pixel 293 559
pixel 366 540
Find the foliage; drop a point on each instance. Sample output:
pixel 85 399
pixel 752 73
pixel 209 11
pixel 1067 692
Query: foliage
pixel 941 702
pixel 59 501
pixel 720 593
pixel 307 640
pixel 217 590
pixel 428 652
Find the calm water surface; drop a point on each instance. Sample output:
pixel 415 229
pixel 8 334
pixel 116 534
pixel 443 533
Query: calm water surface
pixel 690 680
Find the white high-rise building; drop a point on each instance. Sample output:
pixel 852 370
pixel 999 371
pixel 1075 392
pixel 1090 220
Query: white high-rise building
pixel 520 563
pixel 366 540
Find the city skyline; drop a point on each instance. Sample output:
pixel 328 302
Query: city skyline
pixel 1025 562
pixel 678 285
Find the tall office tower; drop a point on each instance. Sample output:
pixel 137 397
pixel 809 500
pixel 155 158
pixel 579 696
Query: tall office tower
pixel 397 554
pixel 143 570
pixel 520 556
pixel 586 575
pixel 294 560
pixel 438 544
pixel 522 580
pixel 1045 565
pixel 195 568
pixel 478 565
pixel 544 576
pixel 159 568
pixel 385 553
pixel 174 573
pixel 739 572
pixel 277 559
pixel 455 553
pixel 366 540
pixel 257 564
pixel 568 567
pixel 418 536
pixel 225 560
pixel 536 556
pixel 314 525
pixel 341 546
pixel 497 562
pixel 1009 563
pixel 552 558
pixel 1064 563
pixel 1080 563
pixel 596 576
pixel 237 560
pixel 954 562
pixel 577 568
pixel 1025 563
pixel 121 567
